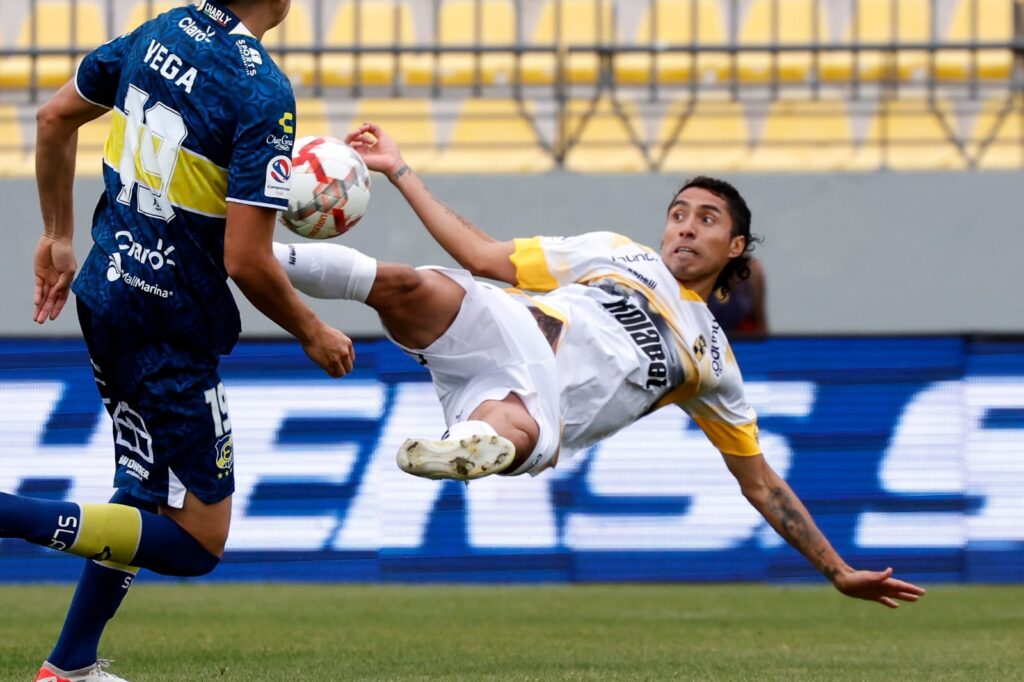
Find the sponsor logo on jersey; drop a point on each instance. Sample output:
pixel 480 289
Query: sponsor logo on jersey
pixel 250 56
pixel 637 257
pixel 645 335
pixel 644 279
pixel 279 177
pixel 197 32
pixel 286 122
pixel 156 258
pixel 716 349
pixel 221 17
pixel 115 271
pixel 281 143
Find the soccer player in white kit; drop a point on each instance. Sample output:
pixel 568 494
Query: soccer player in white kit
pixel 597 332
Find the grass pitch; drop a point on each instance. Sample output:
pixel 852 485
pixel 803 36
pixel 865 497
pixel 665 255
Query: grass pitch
pixel 199 632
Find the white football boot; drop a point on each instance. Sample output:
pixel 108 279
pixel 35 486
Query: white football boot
pixel 469 450
pixel 92 673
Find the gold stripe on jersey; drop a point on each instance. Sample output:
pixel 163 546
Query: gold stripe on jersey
pixel 532 266
pixel 730 439
pixel 689 294
pixel 197 183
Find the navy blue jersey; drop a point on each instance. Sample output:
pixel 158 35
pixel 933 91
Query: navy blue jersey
pixel 201 116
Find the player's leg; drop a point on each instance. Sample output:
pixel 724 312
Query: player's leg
pixel 415 305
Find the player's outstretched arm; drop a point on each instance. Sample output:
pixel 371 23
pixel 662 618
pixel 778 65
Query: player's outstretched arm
pixel 57 124
pixel 250 262
pixel 471 247
pixel 780 506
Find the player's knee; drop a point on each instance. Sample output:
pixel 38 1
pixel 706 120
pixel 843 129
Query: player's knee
pixel 395 285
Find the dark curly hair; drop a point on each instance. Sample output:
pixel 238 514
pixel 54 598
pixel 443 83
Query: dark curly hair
pixel 737 268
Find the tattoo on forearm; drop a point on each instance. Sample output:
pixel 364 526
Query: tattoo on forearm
pixel 465 223
pixel 797 531
pixel 401 171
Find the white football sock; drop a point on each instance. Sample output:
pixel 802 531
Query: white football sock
pixel 461 430
pixel 327 270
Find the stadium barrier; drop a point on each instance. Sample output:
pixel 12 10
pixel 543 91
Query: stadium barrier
pixel 906 450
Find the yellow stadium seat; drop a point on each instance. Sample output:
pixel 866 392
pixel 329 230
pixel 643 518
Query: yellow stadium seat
pixel 457 27
pixel 494 136
pixel 703 136
pixel 15 159
pixel 92 137
pixel 676 23
pixel 372 24
pixel 781 22
pixel 142 12
pixel 803 136
pixel 53 30
pixel 409 121
pixel 564 24
pixel 311 118
pixel 1001 125
pixel 984 21
pixel 295 31
pixel 604 139
pixel 910 135
pixel 883 21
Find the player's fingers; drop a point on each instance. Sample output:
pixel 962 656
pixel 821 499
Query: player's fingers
pixel 906 596
pixel 904 586
pixel 349 360
pixel 58 305
pixel 37 295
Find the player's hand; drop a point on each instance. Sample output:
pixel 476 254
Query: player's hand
pixel 55 267
pixel 378 149
pixel 877 586
pixel 332 350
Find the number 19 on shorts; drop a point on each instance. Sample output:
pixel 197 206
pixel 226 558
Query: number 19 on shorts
pixel 218 402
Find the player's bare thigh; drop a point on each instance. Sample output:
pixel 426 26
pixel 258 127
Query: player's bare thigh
pixel 416 306
pixel 207 523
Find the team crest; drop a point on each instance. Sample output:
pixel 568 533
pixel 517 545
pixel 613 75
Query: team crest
pixel 699 347
pixel 225 450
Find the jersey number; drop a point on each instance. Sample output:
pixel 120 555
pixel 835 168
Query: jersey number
pixel 152 138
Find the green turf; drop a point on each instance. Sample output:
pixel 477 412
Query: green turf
pixel 199 632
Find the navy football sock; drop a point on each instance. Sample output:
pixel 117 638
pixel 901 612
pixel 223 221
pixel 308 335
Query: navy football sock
pixel 106 532
pixel 101 589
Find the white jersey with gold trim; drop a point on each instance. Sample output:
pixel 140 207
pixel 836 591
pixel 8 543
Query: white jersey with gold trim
pixel 629 339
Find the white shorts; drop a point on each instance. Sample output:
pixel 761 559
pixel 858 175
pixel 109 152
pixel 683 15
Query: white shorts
pixel 493 348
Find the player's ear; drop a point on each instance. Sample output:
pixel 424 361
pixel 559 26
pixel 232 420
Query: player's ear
pixel 737 245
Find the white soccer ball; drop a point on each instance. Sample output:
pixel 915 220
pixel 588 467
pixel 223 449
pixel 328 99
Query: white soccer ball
pixel 330 188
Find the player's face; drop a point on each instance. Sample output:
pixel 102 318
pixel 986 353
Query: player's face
pixel 698 241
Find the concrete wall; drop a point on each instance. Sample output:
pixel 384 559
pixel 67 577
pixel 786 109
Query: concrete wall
pixel 873 253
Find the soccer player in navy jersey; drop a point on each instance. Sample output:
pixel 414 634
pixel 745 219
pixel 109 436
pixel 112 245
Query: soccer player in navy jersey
pixel 196 164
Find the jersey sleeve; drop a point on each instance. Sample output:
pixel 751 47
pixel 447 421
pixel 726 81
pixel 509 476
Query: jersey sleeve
pixel 98 75
pixel 260 172
pixel 546 263
pixel 725 417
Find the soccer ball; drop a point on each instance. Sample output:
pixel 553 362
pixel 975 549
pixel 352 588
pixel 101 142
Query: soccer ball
pixel 330 188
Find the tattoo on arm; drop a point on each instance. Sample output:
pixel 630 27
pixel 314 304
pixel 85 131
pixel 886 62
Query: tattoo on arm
pixel 465 223
pixel 401 171
pixel 797 531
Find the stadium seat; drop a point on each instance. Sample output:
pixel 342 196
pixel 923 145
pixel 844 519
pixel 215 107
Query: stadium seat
pixel 92 138
pixel 1001 125
pixel 144 10
pixel 296 31
pixel 781 22
pixel 983 21
pixel 703 136
pixel 603 138
pixel 883 21
pixel 370 24
pixel 564 24
pixel 910 135
pixel 457 27
pixel 409 121
pixel 53 21
pixel 15 159
pixel 312 118
pixel 803 136
pixel 676 23
pixel 494 136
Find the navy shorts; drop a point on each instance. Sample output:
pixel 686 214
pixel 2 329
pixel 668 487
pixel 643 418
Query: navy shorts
pixel 172 432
